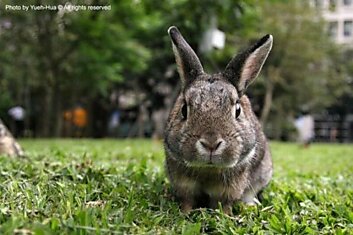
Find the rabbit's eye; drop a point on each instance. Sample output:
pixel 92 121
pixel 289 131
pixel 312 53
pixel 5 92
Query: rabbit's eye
pixel 237 109
pixel 184 111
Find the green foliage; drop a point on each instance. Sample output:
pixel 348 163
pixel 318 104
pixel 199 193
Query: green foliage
pixel 306 59
pixel 50 60
pixel 119 187
pixel 304 69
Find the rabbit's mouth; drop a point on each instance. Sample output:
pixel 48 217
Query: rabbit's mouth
pixel 212 153
pixel 214 161
pixel 210 165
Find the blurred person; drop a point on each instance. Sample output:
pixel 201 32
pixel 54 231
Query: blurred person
pixel 17 114
pixel 67 123
pixel 113 124
pixel 159 118
pixel 305 126
pixel 79 120
pixel 333 134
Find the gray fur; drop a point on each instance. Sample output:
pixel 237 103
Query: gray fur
pixel 213 156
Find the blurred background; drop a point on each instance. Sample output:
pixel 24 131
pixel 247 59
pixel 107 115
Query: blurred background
pixel 112 73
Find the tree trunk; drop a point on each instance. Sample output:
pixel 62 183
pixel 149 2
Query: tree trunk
pixel 57 111
pixel 267 102
pixel 46 115
pixel 272 78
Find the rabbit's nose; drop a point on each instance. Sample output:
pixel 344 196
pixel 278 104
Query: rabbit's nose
pixel 211 146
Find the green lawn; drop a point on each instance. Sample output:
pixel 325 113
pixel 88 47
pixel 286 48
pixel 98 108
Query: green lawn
pixel 114 186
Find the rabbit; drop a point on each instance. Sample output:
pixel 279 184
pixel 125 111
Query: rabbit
pixel 216 151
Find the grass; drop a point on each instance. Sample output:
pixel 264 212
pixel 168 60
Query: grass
pixel 119 187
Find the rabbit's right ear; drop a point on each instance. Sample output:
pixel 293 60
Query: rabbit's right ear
pixel 189 65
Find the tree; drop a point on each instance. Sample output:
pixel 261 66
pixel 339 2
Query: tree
pixel 52 60
pixel 302 69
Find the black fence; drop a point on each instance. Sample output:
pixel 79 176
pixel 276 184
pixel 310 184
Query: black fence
pixel 334 128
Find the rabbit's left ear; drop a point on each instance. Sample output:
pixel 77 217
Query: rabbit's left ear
pixel 244 68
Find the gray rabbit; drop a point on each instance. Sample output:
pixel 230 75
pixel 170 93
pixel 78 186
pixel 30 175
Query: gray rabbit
pixel 216 151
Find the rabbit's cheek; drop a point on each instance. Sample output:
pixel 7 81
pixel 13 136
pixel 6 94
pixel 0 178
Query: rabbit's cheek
pixel 249 157
pixel 230 157
pixel 187 149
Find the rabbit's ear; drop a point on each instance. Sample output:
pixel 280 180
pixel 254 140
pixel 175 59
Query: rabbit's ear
pixel 244 68
pixel 189 65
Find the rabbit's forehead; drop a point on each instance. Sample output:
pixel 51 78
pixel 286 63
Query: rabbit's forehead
pixel 208 93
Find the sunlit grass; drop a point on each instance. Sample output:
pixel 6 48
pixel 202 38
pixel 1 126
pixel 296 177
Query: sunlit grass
pixel 119 186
